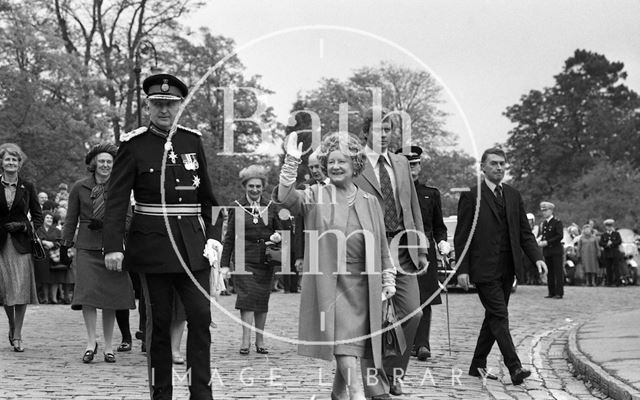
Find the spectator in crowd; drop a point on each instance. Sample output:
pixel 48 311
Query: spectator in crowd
pixel 610 241
pixel 341 301
pixel 60 216
pixel 254 220
pixel 531 276
pixel 436 232
pixel 63 194
pixel 49 280
pixel 588 254
pixel 96 286
pixel 550 239
pixel 45 203
pixel 17 281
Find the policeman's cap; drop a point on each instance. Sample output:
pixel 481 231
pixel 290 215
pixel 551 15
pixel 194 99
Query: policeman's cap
pixel 609 221
pixel 414 154
pixel 164 87
pixel 547 205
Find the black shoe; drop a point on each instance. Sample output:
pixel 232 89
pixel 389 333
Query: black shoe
pixel 548 297
pixel 423 353
pixel 557 297
pixel 487 375
pixel 143 348
pixel 395 388
pixel 518 376
pixel 381 397
pixel 139 335
pixel 109 357
pixel 76 307
pixel 124 346
pixel 89 354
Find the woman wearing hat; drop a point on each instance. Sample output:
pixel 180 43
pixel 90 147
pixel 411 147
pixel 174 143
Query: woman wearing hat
pixel 95 287
pixel 259 218
pixel 17 282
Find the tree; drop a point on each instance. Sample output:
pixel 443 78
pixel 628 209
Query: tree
pixel 561 132
pixel 44 105
pixel 403 89
pixel 607 190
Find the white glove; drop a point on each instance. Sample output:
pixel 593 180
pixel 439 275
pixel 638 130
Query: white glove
pixel 213 252
pixel 444 247
pixel 275 238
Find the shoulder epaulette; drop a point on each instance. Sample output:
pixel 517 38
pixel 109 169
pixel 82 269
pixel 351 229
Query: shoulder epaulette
pixel 125 137
pixel 195 132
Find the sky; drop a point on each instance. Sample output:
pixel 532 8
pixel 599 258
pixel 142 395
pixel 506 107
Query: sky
pixel 485 54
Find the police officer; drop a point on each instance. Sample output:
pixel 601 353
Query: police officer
pixel 166 233
pixel 550 239
pixel 436 232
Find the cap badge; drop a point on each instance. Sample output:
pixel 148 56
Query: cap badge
pixel 165 86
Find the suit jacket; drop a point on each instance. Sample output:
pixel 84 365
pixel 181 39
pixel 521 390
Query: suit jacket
pixel 553 234
pixel 481 260
pixel 138 167
pixel 405 192
pixel 25 202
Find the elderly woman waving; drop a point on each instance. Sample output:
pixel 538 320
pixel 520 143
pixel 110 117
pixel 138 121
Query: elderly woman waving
pixel 17 282
pixel 341 294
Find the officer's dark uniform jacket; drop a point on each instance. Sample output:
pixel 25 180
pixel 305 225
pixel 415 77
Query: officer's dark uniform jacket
pixel 552 232
pixel 435 230
pixel 138 167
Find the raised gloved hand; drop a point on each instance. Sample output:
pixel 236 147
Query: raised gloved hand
pixel 13 227
pixel 444 247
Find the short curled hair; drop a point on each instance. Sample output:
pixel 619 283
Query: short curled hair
pixel 342 142
pixel 497 151
pixel 14 150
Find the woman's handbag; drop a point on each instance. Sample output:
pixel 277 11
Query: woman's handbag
pixel 36 247
pixel 393 340
pixel 273 254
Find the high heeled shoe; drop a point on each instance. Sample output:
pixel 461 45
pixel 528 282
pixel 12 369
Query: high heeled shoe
pixel 261 350
pixel 17 345
pixel 109 357
pixel 89 354
pixel 11 337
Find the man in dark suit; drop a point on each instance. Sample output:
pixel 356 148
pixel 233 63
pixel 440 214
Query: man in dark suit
pixel 156 252
pixel 550 239
pixel 436 232
pixel 493 257
pixel 610 241
pixel 387 176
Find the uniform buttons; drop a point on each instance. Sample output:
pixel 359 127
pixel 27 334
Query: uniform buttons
pixel 177 180
pixel 179 216
pixel 150 169
pixel 179 198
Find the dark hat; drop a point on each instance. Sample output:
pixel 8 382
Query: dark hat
pixel 164 87
pixel 414 154
pixel 100 148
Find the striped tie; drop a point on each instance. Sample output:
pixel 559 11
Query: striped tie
pixel 97 197
pixel 388 199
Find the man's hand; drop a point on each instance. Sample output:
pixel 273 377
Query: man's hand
pixel 113 261
pixel 542 267
pixel 543 243
pixel 423 263
pixel 444 247
pixel 293 148
pixel 463 281
pixel 298 264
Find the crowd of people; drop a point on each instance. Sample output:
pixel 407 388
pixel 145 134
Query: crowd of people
pixel 359 230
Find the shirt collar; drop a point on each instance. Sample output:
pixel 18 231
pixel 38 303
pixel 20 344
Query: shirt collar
pixel 374 157
pixel 157 131
pixel 8 184
pixel 253 203
pixel 491 185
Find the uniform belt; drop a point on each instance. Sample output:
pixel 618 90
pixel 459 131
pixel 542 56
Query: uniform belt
pixel 167 209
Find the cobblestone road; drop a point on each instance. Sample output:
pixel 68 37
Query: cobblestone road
pixel 51 366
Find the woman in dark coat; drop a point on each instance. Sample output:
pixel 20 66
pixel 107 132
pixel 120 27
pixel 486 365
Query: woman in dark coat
pixel 50 280
pixel 95 286
pixel 260 221
pixel 17 281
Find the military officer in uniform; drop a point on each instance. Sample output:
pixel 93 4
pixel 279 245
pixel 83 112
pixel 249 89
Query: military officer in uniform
pixel 436 232
pixel 158 247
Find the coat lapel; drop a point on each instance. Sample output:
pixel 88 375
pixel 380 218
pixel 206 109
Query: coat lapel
pixel 370 176
pixel 20 192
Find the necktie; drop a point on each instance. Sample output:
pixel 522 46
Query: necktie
pixel 388 199
pixel 498 193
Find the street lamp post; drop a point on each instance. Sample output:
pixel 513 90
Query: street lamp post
pixel 144 46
